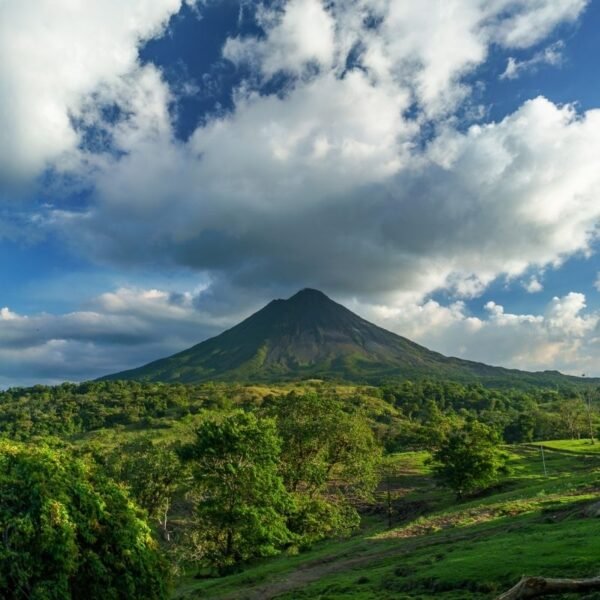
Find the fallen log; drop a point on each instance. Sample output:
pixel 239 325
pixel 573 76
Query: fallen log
pixel 535 587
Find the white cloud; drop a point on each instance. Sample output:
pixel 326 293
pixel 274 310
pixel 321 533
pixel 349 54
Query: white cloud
pixel 417 46
pixel 115 330
pixel 564 336
pixel 302 34
pixel 54 54
pixel 551 55
pixel 533 20
pixel 335 160
pixel 533 286
pixel 328 164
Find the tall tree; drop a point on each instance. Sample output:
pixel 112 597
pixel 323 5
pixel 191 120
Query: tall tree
pixel 329 460
pixel 241 502
pixel 574 415
pixel 325 445
pixel 153 472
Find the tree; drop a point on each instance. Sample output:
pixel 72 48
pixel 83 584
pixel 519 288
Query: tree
pixel 590 395
pixel 153 472
pixel 241 502
pixel 329 460
pixel 521 428
pixel 325 445
pixel 68 532
pixel 573 414
pixel 469 459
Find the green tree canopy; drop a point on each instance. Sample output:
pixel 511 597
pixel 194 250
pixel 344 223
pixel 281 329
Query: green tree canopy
pixel 325 445
pixel 329 460
pixel 241 501
pixel 153 473
pixel 469 459
pixel 69 533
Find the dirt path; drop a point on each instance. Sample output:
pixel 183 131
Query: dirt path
pixel 315 570
pixel 305 574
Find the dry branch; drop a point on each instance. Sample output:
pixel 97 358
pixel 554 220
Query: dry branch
pixel 534 587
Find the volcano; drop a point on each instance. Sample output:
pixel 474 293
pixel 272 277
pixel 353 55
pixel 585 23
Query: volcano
pixel 311 336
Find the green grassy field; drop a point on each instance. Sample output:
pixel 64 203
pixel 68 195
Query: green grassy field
pixel 583 446
pixel 531 524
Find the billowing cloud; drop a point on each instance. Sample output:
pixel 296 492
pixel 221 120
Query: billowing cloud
pixel 303 34
pixel 339 158
pixel 283 191
pixel 333 172
pixel 357 173
pixel 55 53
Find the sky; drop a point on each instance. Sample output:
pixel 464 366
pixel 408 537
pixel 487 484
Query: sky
pixel 169 166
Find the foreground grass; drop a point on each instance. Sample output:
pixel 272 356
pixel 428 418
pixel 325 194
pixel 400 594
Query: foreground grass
pixel 531 524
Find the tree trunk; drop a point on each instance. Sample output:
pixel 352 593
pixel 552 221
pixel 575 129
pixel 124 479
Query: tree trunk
pixel 166 532
pixel 229 544
pixel 389 503
pixel 534 587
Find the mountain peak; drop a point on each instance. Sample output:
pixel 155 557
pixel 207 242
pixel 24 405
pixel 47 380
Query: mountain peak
pixel 310 335
pixel 307 295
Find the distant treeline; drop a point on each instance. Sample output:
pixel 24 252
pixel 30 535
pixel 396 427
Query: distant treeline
pixel 517 415
pixel 401 414
pixel 69 409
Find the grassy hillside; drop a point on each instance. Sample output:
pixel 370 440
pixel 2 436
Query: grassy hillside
pixel 439 548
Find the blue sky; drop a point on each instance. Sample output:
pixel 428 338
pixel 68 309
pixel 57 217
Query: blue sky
pixel 167 167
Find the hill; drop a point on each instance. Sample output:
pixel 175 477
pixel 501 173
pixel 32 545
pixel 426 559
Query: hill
pixel 311 336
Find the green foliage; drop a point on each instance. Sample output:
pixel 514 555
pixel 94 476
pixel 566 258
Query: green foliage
pixel 329 461
pixel 573 416
pixel 324 443
pixel 468 550
pixel 69 533
pixel 469 459
pixel 402 415
pixel 69 409
pixel 317 518
pixel 153 472
pixel 321 441
pixel 241 500
pixel 521 428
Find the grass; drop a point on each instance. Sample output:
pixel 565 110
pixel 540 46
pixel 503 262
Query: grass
pixel 583 446
pixel 440 548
